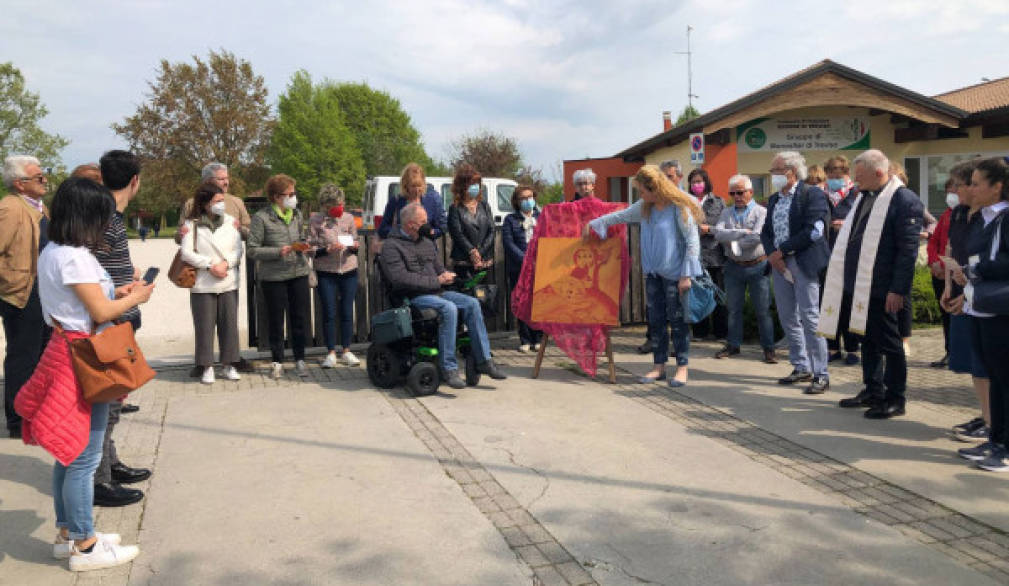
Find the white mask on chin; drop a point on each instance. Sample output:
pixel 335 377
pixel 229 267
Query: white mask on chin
pixel 291 202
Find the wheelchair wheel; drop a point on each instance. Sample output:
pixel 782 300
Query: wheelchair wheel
pixel 423 379
pixel 383 366
pixel 472 374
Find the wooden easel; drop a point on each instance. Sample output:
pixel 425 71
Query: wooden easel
pixel 543 349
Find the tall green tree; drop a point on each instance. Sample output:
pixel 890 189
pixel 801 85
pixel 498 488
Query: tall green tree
pixel 382 130
pixel 20 113
pixel 689 113
pixel 212 109
pixel 312 142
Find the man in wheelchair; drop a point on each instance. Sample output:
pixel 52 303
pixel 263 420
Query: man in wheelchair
pixel 413 271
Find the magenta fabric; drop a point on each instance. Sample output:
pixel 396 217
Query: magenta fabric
pixel 567 220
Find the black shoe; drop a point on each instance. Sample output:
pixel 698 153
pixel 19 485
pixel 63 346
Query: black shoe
pixel 797 376
pixel 727 351
pixel 885 410
pixel 941 363
pixel 244 365
pixel 110 494
pixel 770 357
pixel 970 425
pixel 196 371
pixel 836 356
pixel 819 386
pixel 451 378
pixel 129 408
pixel 491 370
pixel 14 432
pixel 123 474
pixel 863 399
pixel 852 359
pixel 645 348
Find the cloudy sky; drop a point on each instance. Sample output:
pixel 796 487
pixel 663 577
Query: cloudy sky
pixel 566 79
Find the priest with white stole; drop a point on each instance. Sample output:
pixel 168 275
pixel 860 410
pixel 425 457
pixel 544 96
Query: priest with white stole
pixel 870 273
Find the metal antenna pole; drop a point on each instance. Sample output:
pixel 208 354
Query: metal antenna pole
pixel 690 72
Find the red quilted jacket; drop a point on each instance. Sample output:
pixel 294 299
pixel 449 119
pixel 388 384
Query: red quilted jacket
pixel 56 416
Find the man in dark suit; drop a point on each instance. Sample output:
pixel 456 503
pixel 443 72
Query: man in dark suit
pixel 892 275
pixel 794 238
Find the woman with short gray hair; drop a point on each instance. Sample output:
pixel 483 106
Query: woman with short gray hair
pixel 585 184
pixel 334 235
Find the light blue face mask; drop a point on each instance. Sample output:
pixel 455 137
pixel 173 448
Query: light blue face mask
pixel 835 184
pixel 528 205
pixel 473 190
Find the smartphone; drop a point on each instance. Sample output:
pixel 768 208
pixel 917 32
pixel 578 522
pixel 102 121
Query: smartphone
pixel 151 274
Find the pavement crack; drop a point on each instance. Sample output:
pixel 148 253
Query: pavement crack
pixel 620 566
pixel 544 477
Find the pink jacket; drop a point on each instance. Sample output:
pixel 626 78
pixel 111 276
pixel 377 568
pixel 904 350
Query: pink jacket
pixel 56 416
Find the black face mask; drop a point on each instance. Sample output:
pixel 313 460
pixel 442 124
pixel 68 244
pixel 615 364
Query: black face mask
pixel 425 231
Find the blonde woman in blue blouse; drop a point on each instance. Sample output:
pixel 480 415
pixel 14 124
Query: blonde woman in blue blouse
pixel 670 256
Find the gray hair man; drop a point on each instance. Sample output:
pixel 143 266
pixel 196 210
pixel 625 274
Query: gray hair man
pixel 793 238
pixel 585 183
pixel 738 230
pixel 882 230
pixel 672 170
pixel 233 206
pixel 413 270
pixel 24 224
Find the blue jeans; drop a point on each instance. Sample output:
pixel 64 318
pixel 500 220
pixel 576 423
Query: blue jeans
pixel 74 485
pixel 799 313
pixel 330 286
pixel 664 308
pixel 737 279
pixel 450 306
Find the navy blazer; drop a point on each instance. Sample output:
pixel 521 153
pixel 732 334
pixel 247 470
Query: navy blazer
pixel 513 237
pixel 809 205
pixel 893 270
pixel 432 205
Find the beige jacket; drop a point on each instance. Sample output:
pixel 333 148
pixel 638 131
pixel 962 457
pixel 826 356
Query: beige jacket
pixel 19 249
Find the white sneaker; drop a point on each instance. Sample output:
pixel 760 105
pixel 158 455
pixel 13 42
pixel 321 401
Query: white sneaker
pixel 524 348
pixel 62 547
pixel 535 347
pixel 330 361
pixel 208 376
pixel 231 373
pixel 104 555
pixel 349 359
pixel 299 369
pixel 278 371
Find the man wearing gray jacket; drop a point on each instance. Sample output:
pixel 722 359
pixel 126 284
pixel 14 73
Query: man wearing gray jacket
pixel 738 231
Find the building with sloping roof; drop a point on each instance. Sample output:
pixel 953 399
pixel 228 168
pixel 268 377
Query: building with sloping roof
pixel 825 110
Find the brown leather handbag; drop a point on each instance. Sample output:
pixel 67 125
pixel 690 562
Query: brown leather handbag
pixel 182 273
pixel 108 364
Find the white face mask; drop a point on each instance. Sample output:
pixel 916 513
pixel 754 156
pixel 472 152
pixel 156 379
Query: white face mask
pixel 778 182
pixel 217 209
pixel 291 202
pixel 952 200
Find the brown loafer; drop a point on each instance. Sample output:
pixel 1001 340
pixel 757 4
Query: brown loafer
pixel 770 357
pixel 726 351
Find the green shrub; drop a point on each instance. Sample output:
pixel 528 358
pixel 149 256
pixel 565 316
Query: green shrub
pixel 924 306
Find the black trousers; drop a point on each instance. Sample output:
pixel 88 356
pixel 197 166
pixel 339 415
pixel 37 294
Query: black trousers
pixel 991 339
pixel 882 340
pixel 718 322
pixel 291 297
pixel 938 286
pixel 27 335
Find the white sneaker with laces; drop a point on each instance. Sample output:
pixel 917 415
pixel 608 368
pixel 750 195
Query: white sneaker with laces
pixel 103 555
pixel 278 371
pixel 208 376
pixel 62 547
pixel 524 348
pixel 231 373
pixel 349 359
pixel 299 368
pixel 330 361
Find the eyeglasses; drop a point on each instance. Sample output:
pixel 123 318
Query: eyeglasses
pixel 743 192
pixel 39 178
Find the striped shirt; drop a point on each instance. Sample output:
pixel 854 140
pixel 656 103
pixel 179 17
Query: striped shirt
pixel 116 260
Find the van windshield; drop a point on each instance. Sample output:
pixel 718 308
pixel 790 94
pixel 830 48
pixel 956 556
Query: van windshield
pixel 504 198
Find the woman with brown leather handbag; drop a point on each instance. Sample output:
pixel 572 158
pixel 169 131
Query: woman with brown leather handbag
pixel 78 297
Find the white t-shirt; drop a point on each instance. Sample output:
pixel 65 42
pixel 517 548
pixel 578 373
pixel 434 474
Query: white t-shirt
pixel 59 268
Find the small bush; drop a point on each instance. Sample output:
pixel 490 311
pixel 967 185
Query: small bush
pixel 924 306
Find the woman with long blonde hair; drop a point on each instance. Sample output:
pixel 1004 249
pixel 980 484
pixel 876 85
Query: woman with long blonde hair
pixel 670 256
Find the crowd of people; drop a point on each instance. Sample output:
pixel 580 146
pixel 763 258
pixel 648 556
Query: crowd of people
pixel 836 245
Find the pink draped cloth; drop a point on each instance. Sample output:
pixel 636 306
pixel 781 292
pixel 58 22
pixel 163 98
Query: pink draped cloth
pixel 582 343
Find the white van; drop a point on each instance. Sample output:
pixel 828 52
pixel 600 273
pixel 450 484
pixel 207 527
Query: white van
pixel 379 190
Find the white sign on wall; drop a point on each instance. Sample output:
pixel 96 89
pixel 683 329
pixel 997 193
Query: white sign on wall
pixel 830 133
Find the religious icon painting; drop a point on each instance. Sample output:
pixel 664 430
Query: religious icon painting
pixel 577 281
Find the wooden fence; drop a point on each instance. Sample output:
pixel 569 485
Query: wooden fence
pixel 371 296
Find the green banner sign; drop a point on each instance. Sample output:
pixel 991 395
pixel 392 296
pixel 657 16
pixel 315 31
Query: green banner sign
pixel 803 134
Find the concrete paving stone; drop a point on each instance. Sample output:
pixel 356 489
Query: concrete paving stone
pixel 972 527
pixel 532 556
pixel 574 573
pixel 474 490
pixel 506 501
pixel 554 552
pixel 990 546
pixel 501 519
pixel 486 505
pixel 521 517
pixel 537 534
pixel 969 548
pixel 549 576
pixel 946 524
pixel 911 509
pixel 515 537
